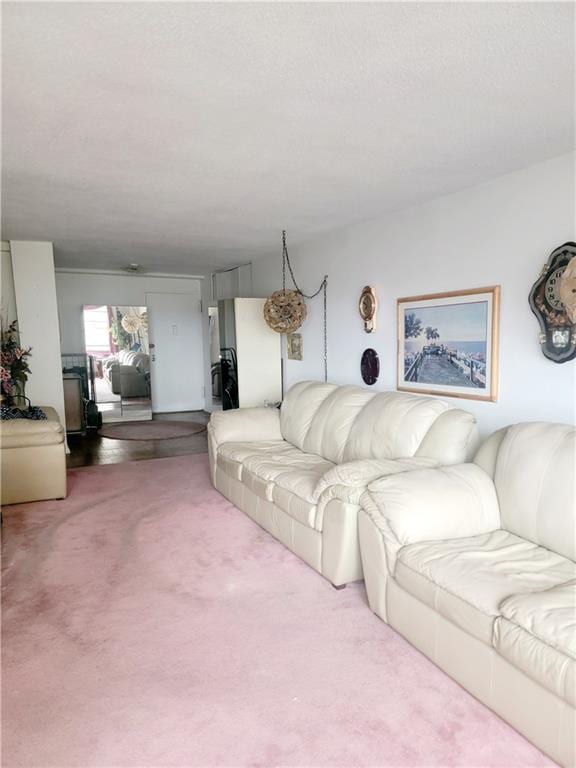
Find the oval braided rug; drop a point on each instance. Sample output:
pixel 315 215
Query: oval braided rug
pixel 151 430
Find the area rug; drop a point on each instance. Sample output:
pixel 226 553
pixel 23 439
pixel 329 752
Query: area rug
pixel 147 622
pixel 151 430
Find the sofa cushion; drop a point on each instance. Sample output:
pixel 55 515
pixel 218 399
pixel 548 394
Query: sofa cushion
pixel 392 426
pixel 331 425
pixel 549 615
pixel 299 408
pixel 466 580
pixel 231 455
pixel 535 478
pixel 351 423
pixel 297 508
pixel 292 470
pixel 25 433
pixel 537 633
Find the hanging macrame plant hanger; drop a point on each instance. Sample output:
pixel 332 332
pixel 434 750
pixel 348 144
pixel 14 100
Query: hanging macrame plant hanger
pixel 285 310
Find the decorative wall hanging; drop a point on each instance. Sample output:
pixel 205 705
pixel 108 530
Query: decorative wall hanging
pixel 285 310
pixel 294 346
pixel 553 301
pixel 368 306
pixel 370 366
pixel 448 343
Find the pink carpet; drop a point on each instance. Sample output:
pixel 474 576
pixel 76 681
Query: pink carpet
pixel 147 622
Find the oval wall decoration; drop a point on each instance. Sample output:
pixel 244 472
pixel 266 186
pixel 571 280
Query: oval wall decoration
pixel 367 306
pixel 370 366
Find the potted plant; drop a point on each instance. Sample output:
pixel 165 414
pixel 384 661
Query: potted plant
pixel 14 368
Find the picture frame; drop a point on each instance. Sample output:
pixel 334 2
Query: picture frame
pixel 294 346
pixel 448 343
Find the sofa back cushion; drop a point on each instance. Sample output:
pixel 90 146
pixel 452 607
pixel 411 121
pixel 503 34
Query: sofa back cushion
pixel 351 423
pixel 333 421
pixel 299 408
pixel 535 481
pixel 392 426
pixel 141 361
pixel 137 359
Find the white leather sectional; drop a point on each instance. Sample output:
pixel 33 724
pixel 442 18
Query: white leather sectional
pixel 300 471
pixel 474 564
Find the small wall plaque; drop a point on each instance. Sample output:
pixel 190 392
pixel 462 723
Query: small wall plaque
pixel 294 346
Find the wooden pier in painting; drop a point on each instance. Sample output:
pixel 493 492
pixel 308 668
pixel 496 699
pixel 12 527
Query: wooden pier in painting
pixel 446 368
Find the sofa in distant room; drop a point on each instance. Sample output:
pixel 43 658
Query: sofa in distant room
pixel 128 373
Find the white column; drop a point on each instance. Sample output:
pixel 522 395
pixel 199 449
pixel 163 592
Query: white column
pixel 35 290
pixel 259 358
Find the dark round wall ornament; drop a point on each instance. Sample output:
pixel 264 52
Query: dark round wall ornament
pixel 370 366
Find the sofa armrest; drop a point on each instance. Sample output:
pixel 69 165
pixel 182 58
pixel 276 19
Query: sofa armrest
pixel 431 504
pixel 245 424
pixel 359 474
pixel 128 370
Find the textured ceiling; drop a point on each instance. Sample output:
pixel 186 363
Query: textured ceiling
pixel 187 135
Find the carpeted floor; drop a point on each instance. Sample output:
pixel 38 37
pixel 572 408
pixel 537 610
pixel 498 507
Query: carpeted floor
pixel 147 622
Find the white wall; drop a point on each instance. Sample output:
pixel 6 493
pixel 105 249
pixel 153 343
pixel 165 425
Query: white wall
pixel 75 289
pixel 35 291
pixel 498 233
pixel 7 295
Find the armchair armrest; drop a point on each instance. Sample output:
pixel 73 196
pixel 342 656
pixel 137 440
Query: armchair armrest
pixel 244 424
pixel 358 474
pixel 347 482
pixel 431 504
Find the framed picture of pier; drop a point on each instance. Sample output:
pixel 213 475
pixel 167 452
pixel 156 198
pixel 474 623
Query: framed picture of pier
pixel 448 343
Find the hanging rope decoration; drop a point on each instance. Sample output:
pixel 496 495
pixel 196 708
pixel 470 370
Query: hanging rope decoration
pixel 285 310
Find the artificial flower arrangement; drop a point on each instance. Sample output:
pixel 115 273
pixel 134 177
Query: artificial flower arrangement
pixel 14 368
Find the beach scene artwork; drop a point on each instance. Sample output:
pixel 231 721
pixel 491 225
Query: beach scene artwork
pixel 445 344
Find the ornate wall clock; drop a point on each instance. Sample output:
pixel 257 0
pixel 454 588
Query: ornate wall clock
pixel 370 366
pixel 368 306
pixel 553 301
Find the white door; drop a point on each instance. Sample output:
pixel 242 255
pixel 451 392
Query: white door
pixel 176 358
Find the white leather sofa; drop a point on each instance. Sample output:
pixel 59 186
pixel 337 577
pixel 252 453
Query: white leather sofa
pixel 300 471
pixel 474 565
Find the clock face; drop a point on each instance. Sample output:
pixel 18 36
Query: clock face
pixel 553 301
pixel 551 289
pixel 366 306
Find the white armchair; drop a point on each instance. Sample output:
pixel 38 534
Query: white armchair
pixel 475 565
